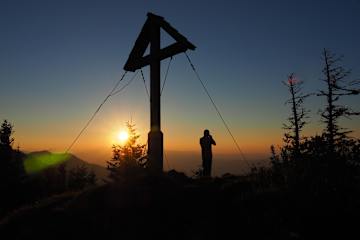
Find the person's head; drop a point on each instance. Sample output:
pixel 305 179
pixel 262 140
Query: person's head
pixel 206 132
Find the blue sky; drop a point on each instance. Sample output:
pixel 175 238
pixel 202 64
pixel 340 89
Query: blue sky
pixel 58 59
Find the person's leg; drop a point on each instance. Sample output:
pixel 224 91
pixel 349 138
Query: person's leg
pixel 210 166
pixel 207 167
pixel 203 165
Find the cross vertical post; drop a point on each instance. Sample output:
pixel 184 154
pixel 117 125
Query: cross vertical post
pixel 150 35
pixel 155 136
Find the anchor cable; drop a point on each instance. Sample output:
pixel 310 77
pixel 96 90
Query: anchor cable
pixel 166 74
pixel 111 93
pixel 143 78
pixel 217 110
pixel 127 84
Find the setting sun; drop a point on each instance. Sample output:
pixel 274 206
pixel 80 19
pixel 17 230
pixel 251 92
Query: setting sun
pixel 123 136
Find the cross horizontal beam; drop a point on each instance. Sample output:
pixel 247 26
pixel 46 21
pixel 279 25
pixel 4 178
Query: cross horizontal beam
pixel 136 59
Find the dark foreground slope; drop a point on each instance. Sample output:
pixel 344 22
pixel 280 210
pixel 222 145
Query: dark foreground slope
pixel 179 208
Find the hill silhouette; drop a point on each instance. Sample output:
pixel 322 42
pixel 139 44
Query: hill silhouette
pixel 72 161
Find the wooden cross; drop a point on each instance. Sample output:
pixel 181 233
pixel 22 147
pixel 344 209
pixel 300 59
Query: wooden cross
pixel 150 34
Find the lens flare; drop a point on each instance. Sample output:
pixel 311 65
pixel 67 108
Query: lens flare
pixel 38 162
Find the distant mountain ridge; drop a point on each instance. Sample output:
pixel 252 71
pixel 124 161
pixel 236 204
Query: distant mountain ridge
pixel 73 161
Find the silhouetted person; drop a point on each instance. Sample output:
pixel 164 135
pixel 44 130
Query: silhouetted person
pixel 206 141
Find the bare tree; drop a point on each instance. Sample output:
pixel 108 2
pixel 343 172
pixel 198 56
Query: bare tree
pixel 336 87
pixel 296 121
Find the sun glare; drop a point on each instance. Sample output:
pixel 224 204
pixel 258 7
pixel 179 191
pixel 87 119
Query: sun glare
pixel 123 136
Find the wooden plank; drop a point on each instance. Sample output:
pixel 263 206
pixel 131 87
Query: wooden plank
pixel 136 59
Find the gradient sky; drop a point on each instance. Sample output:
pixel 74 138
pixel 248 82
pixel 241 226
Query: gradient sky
pixel 59 59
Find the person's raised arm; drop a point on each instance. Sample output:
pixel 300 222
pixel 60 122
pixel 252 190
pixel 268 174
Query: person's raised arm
pixel 212 140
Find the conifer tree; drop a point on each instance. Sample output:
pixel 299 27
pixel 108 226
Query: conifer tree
pixel 6 131
pixel 81 177
pixel 10 160
pixel 128 157
pixel 11 169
